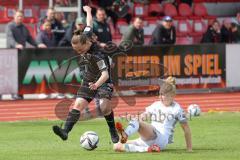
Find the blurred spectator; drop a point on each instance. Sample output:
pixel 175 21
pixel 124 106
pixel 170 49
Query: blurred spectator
pixel 45 37
pixel 107 5
pixel 164 33
pixel 121 9
pixel 234 38
pixel 238 27
pixel 135 32
pixel 226 31
pixel 213 34
pixel 17 33
pixel 17 36
pixel 56 26
pixel 79 24
pixel 101 28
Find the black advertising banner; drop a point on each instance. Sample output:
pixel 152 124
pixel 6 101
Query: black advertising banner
pixel 57 70
pixel 48 71
pixel 194 66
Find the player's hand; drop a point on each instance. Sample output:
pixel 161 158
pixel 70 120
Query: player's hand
pixel 92 86
pixel 87 8
pixel 42 46
pixel 103 45
pixel 19 46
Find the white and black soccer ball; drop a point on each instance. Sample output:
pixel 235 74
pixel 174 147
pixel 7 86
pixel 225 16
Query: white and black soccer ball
pixel 194 110
pixel 89 140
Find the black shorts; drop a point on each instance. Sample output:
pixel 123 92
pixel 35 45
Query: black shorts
pixel 104 91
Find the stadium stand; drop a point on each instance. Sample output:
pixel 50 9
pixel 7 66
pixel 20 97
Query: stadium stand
pixel 191 22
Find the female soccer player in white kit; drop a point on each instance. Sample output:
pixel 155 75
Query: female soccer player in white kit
pixel 164 114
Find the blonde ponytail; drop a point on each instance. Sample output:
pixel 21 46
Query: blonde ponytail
pixel 171 80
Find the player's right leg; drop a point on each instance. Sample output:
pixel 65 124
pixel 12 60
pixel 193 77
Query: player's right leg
pixel 145 130
pixel 72 118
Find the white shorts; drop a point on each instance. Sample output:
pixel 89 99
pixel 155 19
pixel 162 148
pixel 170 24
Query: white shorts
pixel 160 140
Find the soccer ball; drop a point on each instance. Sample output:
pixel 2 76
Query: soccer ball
pixel 194 110
pixel 89 140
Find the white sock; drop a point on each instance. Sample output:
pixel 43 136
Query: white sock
pixel 132 127
pixel 135 148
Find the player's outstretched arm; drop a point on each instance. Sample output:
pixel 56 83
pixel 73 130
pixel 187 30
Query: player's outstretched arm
pixel 89 18
pixel 188 136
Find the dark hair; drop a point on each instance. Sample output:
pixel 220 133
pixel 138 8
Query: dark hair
pixel 215 21
pixel 78 36
pixel 233 25
pixel 100 9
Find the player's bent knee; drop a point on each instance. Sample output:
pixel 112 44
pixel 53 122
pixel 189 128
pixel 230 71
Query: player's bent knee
pixel 80 104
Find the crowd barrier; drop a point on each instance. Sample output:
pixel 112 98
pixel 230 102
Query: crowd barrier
pixel 57 70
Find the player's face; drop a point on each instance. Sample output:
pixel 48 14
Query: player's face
pixel 167 99
pixel 18 18
pixel 81 48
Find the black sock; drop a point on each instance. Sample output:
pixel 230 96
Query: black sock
pixel 110 120
pixel 72 118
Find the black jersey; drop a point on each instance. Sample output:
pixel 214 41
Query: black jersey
pixel 95 61
pixel 91 66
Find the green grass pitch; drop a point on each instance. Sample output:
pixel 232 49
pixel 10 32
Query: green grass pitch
pixel 215 136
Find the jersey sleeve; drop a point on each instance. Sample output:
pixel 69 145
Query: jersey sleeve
pixel 101 64
pixel 181 116
pixel 88 31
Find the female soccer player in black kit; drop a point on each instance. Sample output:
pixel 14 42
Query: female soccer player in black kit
pixel 96 82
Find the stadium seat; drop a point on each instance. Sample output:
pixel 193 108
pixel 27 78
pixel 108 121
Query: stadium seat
pixel 147 40
pixel 122 26
pixel 200 10
pixel 170 10
pixel 199 26
pixel 42 10
pixel 32 29
pixel 3 15
pixel 183 28
pixel 140 10
pixel 30 14
pixel 11 11
pixel 152 24
pixel 184 40
pixel 8 2
pixel 185 10
pixel 197 39
pixel 155 9
pixel 117 38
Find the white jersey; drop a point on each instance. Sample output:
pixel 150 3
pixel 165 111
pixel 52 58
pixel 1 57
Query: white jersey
pixel 165 118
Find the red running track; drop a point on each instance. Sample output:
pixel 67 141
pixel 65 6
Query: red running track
pixel 45 109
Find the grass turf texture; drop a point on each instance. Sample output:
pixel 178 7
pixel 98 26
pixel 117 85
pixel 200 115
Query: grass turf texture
pixel 215 136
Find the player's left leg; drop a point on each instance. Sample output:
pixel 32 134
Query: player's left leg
pixel 108 113
pixel 137 145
